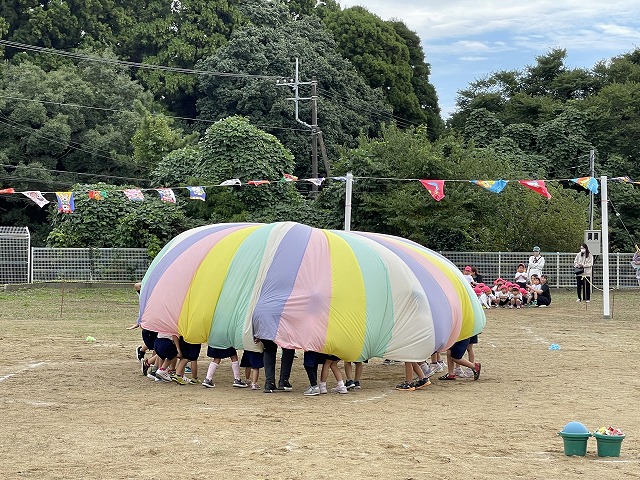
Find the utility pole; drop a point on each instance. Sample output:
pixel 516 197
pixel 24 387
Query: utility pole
pixel 316 133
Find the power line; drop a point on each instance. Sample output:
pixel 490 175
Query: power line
pixel 116 110
pixel 91 58
pixel 77 173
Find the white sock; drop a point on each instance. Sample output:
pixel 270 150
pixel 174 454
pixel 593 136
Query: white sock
pixel 341 383
pixel 212 370
pixel 235 368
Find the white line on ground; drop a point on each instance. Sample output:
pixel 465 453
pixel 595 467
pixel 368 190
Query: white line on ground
pixel 28 367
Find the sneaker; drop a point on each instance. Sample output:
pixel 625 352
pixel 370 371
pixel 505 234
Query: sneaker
pixel 194 381
pixel 423 382
pixel 323 388
pixel 285 385
pixel 144 366
pixel 587 301
pixel 163 375
pixel 457 371
pixel 543 306
pixel 534 303
pixel 356 385
pixel 255 386
pixel 465 373
pixel 139 353
pixel 270 388
pixel 442 366
pixel 339 389
pixel 350 384
pixel 476 371
pixel 312 391
pixel 179 379
pixel 207 383
pixel 390 362
pixel 405 386
pixel 578 300
pixel 239 383
pixel 151 373
pixel 187 369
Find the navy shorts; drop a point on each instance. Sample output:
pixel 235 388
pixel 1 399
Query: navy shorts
pixel 165 348
pixel 190 351
pixel 149 338
pixel 458 349
pixel 252 359
pixel 221 352
pixel 322 357
pixel 313 359
pixel 473 340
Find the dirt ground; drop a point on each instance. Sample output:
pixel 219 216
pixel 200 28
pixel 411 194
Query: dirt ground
pixel 74 409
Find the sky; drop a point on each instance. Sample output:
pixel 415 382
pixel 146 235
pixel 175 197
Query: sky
pixel 465 40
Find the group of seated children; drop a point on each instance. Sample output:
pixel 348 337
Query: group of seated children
pixel 518 294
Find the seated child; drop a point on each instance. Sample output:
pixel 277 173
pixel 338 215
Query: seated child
pixel 515 297
pixel 487 298
pixel 534 289
pixel 502 296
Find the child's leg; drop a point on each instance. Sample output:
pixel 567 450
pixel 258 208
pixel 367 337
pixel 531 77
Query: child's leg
pixel 324 373
pixel 359 369
pixel 336 371
pixel 255 373
pixel 248 374
pixel 213 366
pixel 471 354
pixel 194 369
pixel 417 370
pixel 181 365
pixel 235 368
pixel 408 371
pixel 348 370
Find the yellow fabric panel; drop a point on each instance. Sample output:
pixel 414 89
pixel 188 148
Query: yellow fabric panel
pixel 200 302
pixel 347 313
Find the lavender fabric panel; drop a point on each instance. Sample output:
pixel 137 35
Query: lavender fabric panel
pixel 279 281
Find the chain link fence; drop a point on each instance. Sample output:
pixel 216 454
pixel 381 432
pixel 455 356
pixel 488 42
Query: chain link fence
pixel 15 245
pixel 558 267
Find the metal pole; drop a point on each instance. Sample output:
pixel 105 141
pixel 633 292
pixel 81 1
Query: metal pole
pixel 592 160
pixel 604 202
pixel 314 132
pixel 347 202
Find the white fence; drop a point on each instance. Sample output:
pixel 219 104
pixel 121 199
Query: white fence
pixel 88 264
pixel 15 244
pixel 558 267
pixel 130 265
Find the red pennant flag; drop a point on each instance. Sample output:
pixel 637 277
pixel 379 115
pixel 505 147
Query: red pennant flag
pixel 435 187
pixel 7 190
pixel 537 186
pixel 257 183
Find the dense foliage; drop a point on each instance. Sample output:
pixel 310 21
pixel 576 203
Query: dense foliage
pixel 67 123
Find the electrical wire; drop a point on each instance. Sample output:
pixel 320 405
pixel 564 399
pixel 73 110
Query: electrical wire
pixel 96 175
pixel 112 61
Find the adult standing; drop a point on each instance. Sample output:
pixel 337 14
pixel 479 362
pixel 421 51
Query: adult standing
pixel 536 263
pixel 584 262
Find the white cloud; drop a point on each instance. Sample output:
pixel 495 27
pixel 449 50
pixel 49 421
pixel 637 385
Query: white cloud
pixel 473 59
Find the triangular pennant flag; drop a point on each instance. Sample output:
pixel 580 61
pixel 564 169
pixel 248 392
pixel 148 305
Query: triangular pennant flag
pixel 289 178
pixel 256 183
pixel 7 190
pixel 197 193
pixel 134 194
pixel 537 186
pixel 341 179
pixel 97 194
pixel 495 186
pixel 315 181
pixel 166 195
pixel 435 187
pixel 228 183
pixel 589 183
pixel 622 179
pixel 66 202
pixel 37 198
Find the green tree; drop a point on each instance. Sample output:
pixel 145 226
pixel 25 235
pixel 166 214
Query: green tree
pixel 269 45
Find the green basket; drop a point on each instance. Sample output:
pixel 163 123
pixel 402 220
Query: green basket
pixel 609 445
pixel 575 443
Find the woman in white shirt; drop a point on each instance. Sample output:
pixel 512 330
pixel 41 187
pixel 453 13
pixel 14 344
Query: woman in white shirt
pixel 536 263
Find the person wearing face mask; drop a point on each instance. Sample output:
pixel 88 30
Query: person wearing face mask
pixel 584 261
pixel 536 264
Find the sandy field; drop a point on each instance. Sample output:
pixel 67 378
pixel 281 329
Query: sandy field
pixel 73 409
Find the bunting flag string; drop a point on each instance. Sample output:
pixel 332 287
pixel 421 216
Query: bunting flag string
pixel 66 200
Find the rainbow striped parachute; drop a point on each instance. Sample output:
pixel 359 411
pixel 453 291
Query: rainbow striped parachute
pixel 355 295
